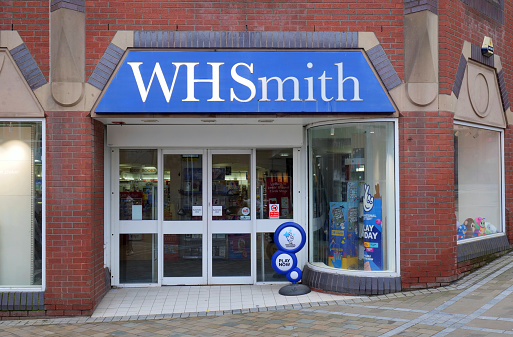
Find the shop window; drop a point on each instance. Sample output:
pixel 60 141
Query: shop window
pixel 231 254
pixel 478 181
pixel 137 184
pixel 21 203
pixel 183 190
pixel 274 184
pixel 352 196
pixel 265 250
pixel 183 255
pixel 138 258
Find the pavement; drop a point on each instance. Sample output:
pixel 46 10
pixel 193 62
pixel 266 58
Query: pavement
pixel 480 304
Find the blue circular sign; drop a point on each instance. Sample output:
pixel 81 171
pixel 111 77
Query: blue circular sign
pixel 290 237
pixel 283 262
pixel 295 275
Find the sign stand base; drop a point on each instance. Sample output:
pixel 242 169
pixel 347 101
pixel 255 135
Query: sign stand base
pixel 294 290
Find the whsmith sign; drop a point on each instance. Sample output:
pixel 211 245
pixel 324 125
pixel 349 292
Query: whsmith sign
pixel 244 82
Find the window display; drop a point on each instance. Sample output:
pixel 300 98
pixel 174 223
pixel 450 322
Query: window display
pixel 274 184
pixel 138 260
pixel 352 196
pixel 478 181
pixel 183 190
pixel 265 250
pixel 138 184
pixel 21 203
pixel 183 256
pixel 231 197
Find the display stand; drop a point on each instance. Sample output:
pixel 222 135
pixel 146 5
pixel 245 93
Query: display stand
pixel 290 237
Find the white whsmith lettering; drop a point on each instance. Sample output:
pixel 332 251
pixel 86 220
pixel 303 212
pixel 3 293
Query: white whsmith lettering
pixel 216 68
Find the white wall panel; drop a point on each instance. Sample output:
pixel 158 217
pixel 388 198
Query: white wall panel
pixel 204 136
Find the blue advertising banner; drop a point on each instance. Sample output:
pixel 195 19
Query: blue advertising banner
pixel 343 235
pixel 244 82
pixel 372 227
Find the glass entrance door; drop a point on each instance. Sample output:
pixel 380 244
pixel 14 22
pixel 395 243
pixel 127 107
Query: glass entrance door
pixel 230 224
pixel 207 220
pixel 184 224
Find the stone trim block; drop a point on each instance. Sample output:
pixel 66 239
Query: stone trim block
pixel 490 8
pixel 222 39
pixel 476 55
pixel 460 73
pixel 350 284
pixel 474 249
pixel 413 6
pixel 74 5
pixel 106 66
pixel 384 67
pixel 503 90
pixel 493 61
pixel 28 66
pixel 15 300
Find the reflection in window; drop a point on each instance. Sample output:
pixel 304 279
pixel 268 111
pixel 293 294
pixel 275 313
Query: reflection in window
pixel 138 184
pixel 352 205
pixel 231 197
pixel 265 250
pixel 477 164
pixel 183 255
pixel 21 208
pixel 138 258
pixel 231 254
pixel 183 190
pixel 274 185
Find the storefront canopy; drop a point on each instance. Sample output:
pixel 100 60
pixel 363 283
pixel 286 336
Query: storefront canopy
pixel 169 82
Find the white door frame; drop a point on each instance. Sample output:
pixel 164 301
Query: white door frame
pixel 184 227
pixel 232 226
pixel 160 227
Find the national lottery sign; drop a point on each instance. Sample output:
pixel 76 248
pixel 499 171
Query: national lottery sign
pixel 290 238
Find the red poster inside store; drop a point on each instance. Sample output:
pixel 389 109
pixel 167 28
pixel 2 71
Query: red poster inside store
pixel 278 192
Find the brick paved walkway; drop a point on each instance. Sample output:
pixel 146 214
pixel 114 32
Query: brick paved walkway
pixel 480 304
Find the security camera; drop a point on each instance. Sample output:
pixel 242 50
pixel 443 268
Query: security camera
pixel 487 47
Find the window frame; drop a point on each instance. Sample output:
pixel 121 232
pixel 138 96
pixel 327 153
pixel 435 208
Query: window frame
pixel 394 253
pixel 502 183
pixel 41 287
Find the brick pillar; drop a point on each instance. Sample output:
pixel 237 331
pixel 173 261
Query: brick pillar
pixel 74 241
pixel 428 222
pixel 508 167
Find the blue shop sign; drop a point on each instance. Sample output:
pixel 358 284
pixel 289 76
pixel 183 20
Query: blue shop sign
pixel 244 82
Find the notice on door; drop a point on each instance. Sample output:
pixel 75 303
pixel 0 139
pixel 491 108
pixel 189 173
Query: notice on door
pixel 274 211
pixel 217 211
pixel 136 212
pixel 197 211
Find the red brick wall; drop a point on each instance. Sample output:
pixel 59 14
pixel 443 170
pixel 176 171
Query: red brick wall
pixel 32 21
pixel 458 23
pixel 74 198
pixel 508 158
pixel 385 18
pixel 426 174
pixel 75 142
pixel 507 65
